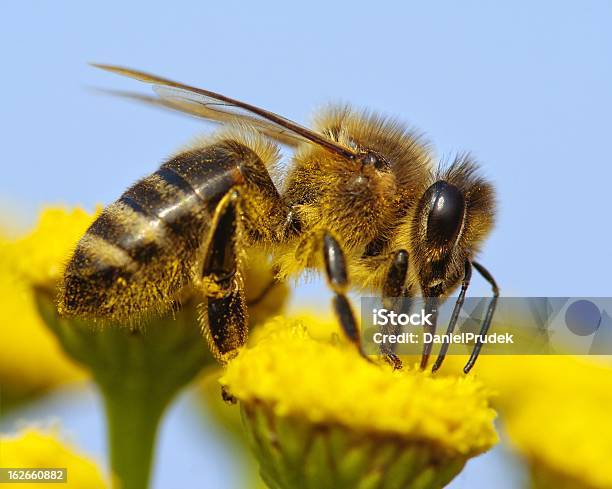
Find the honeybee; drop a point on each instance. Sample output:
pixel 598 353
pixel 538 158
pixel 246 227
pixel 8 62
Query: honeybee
pixel 361 200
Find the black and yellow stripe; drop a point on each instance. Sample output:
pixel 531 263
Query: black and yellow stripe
pixel 142 249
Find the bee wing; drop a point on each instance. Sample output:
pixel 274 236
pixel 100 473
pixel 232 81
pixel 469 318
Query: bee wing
pixel 215 115
pixel 204 103
pixel 183 101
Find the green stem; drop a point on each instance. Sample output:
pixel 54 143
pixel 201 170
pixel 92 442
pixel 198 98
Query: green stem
pixel 133 416
pixel 138 372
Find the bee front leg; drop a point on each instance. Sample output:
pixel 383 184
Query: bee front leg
pixel 337 278
pixel 223 313
pixel 455 314
pixel 488 318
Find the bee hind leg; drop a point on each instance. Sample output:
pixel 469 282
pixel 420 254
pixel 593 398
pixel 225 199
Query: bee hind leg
pixel 223 314
pixel 337 278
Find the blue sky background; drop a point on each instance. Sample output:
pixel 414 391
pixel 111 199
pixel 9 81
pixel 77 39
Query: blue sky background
pixel 526 86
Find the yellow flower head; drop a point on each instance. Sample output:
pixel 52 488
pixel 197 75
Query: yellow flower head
pixel 307 386
pixel 35 449
pixel 41 255
pixel 557 414
pixel 30 358
pixel 518 378
pixel 567 442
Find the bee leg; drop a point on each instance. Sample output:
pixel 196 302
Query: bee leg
pixel 394 297
pixel 223 314
pixel 337 278
pixel 467 275
pixel 431 307
pixel 488 318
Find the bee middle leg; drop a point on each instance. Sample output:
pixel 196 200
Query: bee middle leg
pixel 396 297
pixel 337 278
pixel 431 310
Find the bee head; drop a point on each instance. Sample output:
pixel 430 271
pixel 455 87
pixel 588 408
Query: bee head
pixel 450 221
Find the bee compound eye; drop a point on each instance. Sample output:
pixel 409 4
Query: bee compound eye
pixel 446 214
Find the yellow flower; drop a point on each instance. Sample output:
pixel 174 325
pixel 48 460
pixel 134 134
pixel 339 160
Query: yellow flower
pixel 320 416
pixel 556 411
pixel 34 449
pixel 518 378
pixel 567 441
pixel 40 256
pixel 30 358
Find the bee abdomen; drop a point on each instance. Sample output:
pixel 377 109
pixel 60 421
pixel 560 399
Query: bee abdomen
pixel 95 270
pixel 141 251
pixel 125 264
pixel 211 171
pixel 171 205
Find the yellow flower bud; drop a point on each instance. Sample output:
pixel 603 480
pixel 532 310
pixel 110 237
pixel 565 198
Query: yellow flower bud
pixel 33 449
